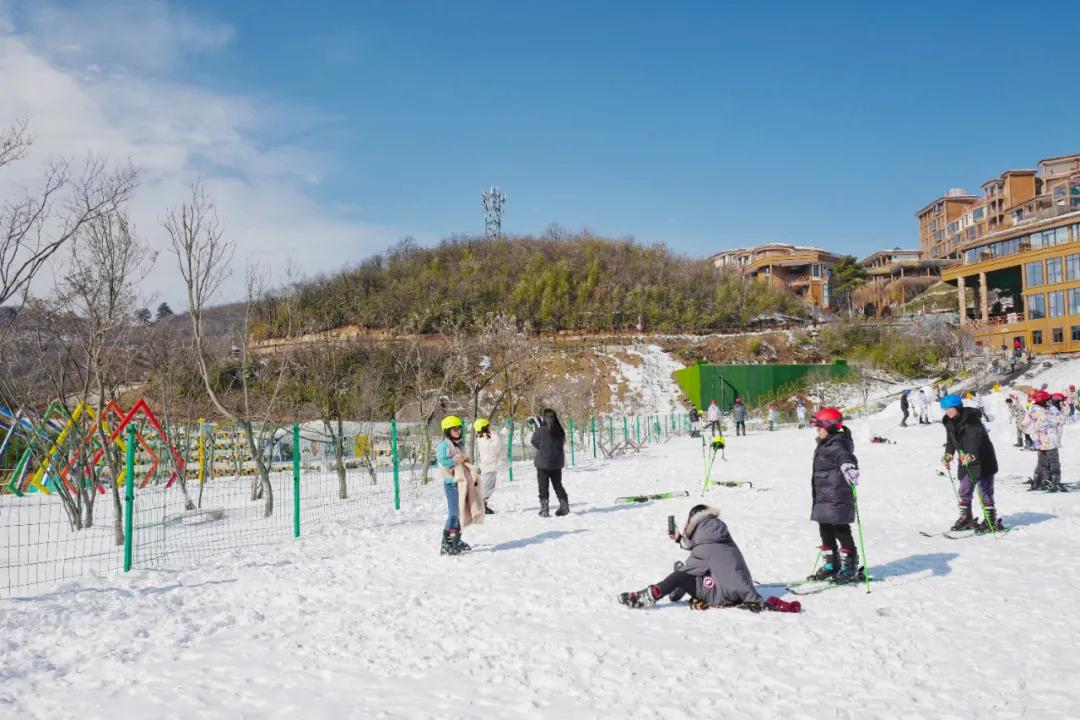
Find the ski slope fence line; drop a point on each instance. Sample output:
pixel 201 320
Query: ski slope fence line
pixel 207 498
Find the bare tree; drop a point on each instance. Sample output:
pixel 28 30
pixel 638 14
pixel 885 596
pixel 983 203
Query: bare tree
pixel 204 258
pixel 425 375
pixel 30 230
pixel 498 350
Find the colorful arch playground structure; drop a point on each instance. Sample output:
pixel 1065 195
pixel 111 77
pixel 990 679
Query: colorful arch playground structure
pixel 49 447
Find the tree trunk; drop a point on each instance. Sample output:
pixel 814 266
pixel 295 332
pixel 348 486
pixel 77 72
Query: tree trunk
pixel 261 471
pixel 339 458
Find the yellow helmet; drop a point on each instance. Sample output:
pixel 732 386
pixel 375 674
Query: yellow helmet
pixel 718 442
pixel 451 421
pixel 480 425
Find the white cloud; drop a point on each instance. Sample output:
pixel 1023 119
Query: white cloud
pixel 70 73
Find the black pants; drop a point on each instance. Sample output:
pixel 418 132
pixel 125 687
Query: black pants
pixel 740 428
pixel 714 428
pixel 903 422
pixel 834 535
pixel 678 580
pixel 555 478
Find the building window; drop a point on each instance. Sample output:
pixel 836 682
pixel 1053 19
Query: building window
pixel 1034 273
pixel 1053 271
pixel 1072 267
pixel 1036 306
pixel 1076 333
pixel 1057 335
pixel 978 214
pixel 1056 303
pixel 1076 232
pixel 1036 337
pixel 1074 301
pixel 815 270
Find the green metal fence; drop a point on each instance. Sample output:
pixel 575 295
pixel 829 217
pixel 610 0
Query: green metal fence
pixel 161 517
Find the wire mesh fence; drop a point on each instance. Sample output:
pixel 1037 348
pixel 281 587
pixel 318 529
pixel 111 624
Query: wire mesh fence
pixel 196 490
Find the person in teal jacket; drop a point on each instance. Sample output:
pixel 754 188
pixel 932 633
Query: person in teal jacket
pixel 449 453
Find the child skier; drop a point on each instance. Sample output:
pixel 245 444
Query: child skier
pixel 835 472
pixel 1043 423
pixel 738 414
pixel 774 416
pixel 967 439
pixel 491 453
pixel 715 574
pixel 452 460
pixel 800 413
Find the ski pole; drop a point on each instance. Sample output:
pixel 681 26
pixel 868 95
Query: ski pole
pixel 952 482
pixel 862 545
pixel 708 474
pixel 986 515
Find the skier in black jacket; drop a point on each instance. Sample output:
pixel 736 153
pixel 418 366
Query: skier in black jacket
pixel 967 439
pixel 836 471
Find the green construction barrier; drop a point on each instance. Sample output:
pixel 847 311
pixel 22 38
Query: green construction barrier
pixel 704 383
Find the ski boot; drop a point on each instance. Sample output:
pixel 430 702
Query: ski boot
pixel 487 509
pixel 696 604
pixel 1054 483
pixel 849 572
pixel 678 593
pixel 965 521
pixel 990 524
pixel 544 509
pixel 447 547
pixel 828 567
pixel 564 507
pixel 460 546
pixel 640 599
pixel 1036 481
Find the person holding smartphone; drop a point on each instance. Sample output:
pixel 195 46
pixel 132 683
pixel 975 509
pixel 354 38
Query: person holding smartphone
pixel 714 575
pixel 549 439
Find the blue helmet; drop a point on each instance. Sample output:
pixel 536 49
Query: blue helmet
pixel 950 401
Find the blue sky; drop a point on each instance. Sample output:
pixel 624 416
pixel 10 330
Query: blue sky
pixel 702 125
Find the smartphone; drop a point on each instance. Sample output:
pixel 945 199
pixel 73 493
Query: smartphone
pixel 671 524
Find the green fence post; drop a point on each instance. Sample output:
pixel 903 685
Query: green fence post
pixel 129 497
pixel 571 442
pixel 593 423
pixel 637 429
pixel 395 459
pixel 510 448
pixel 625 429
pixel 296 479
pixel 611 430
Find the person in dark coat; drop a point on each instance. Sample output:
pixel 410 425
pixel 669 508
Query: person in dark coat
pixel 835 472
pixel 549 439
pixel 966 439
pixel 715 574
pixel 904 407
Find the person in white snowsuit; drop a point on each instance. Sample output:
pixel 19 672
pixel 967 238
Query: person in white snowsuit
pixel 491 455
pixel 800 412
pixel 923 399
pixel 713 416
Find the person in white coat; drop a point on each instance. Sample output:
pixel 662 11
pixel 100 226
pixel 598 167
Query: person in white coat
pixel 923 399
pixel 491 455
pixel 713 416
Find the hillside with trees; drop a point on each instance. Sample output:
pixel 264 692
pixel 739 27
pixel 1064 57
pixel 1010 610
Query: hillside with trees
pixel 580 283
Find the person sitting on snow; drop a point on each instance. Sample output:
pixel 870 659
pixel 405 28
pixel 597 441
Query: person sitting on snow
pixel 715 574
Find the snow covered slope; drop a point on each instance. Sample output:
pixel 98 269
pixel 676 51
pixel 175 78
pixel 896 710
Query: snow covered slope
pixel 363 618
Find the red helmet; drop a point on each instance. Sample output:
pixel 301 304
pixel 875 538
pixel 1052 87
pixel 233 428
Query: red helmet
pixel 1057 396
pixel 1040 397
pixel 828 417
pixel 1072 387
pixel 738 401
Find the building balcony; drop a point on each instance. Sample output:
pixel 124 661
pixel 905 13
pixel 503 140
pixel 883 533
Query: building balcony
pixel 996 322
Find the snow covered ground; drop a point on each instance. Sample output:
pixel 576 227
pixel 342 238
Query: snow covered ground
pixel 362 618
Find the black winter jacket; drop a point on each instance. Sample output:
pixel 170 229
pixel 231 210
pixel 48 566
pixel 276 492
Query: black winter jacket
pixel 550 454
pixel 833 501
pixel 967 433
